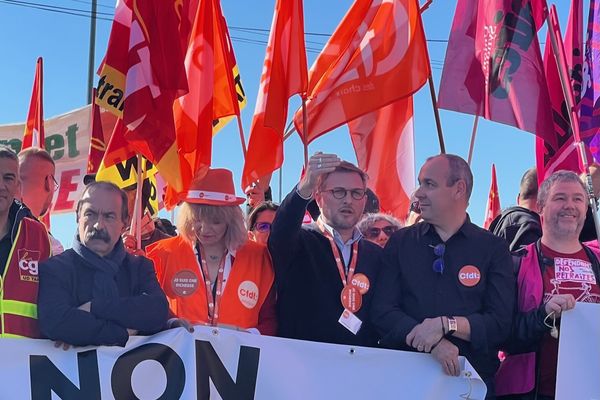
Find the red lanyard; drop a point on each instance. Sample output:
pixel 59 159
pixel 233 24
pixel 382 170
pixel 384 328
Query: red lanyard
pixel 213 303
pixel 338 258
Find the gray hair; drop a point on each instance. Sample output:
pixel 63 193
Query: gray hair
pixel 370 219
pixel 458 169
pixel 35 152
pixel 558 176
pixel 6 152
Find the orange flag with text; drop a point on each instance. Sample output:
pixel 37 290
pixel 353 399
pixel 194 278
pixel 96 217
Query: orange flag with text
pixel 284 74
pixel 376 56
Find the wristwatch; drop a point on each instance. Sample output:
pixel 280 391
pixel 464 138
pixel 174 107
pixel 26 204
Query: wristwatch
pixel 452 326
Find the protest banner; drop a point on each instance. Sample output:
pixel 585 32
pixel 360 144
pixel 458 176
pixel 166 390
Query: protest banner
pixel 223 363
pixel 579 354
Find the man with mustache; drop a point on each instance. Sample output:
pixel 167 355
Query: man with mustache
pixel 324 271
pixel 555 273
pixel 96 293
pixel 446 286
pixel 23 245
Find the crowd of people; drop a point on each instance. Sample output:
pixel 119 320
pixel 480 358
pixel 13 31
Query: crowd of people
pixel 316 267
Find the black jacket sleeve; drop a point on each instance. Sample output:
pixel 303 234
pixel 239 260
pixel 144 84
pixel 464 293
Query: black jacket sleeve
pixel 285 230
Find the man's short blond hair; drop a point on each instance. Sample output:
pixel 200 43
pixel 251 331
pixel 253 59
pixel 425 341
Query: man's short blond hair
pixel 35 152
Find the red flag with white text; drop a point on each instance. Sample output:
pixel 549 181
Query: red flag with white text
pixel 376 56
pixel 284 74
pixel 384 146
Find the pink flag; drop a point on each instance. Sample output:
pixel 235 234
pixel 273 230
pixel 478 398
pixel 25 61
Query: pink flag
pixel 383 142
pixel 493 66
pixel 563 155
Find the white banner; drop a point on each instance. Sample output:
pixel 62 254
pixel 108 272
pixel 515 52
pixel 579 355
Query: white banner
pixel 68 142
pixel 578 371
pixel 225 364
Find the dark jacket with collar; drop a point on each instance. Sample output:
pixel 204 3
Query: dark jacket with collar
pixel 66 282
pixel 308 281
pixel 517 225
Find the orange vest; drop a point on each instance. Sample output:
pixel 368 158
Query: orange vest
pixel 19 283
pixel 180 277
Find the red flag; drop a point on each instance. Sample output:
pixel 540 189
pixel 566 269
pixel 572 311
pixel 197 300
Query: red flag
pixel 493 66
pixel 383 142
pixel 284 74
pixel 34 127
pixel 376 56
pixel 562 155
pixel 492 209
pixel 155 78
pixel 574 47
pixel 97 144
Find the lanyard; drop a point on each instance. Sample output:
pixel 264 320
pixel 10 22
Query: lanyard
pixel 213 302
pixel 338 257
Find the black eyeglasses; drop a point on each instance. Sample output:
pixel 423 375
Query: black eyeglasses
pixel 375 232
pixel 340 193
pixel 54 185
pixel 262 227
pixel 438 263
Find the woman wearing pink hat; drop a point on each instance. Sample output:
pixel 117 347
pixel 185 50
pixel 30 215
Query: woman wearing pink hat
pixel 210 272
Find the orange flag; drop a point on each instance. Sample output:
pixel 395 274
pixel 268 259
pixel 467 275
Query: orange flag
pixel 34 128
pixel 384 146
pixel 284 74
pixel 492 209
pixel 376 56
pixel 208 62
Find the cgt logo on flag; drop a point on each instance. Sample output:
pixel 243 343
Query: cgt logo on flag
pixel 28 264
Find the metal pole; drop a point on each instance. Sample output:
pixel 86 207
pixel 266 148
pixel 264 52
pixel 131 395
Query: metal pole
pixel 473 134
pixel 92 50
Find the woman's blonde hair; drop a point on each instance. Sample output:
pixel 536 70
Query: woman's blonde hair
pixel 232 216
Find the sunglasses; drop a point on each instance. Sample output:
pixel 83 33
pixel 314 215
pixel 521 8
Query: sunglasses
pixel 438 263
pixel 375 232
pixel 340 193
pixel 262 227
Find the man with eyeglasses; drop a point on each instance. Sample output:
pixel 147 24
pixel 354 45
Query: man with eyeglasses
pixel 37 169
pixel 446 286
pixel 324 271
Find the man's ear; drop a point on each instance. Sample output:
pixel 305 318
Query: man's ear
pixel 461 189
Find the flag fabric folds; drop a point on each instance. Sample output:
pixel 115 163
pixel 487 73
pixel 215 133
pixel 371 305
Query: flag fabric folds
pixel 210 66
pixel 97 143
pixel 155 78
pixel 589 121
pixel 34 127
pixel 492 209
pixel 284 74
pixel 493 66
pixel 563 155
pixel 376 56
pixel 384 146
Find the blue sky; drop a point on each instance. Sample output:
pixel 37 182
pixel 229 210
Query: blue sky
pixel 63 39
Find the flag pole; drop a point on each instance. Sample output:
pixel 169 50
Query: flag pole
pixel 565 82
pixel 136 227
pixel 242 140
pixel 92 50
pixel 473 134
pixel 280 182
pixel 436 113
pixel 305 130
